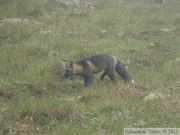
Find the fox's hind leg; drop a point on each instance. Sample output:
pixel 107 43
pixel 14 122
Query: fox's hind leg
pixel 110 73
pixel 102 76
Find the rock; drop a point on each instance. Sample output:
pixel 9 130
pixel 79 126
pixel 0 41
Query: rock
pixel 17 21
pixel 177 60
pixel 154 95
pixel 158 1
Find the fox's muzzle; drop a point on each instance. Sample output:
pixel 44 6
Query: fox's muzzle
pixel 67 73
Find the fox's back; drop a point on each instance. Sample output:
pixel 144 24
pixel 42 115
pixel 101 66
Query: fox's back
pixel 100 61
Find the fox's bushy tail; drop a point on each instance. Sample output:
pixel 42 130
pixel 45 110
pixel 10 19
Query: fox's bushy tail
pixel 120 69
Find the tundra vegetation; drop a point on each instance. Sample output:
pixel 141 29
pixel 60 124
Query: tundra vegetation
pixel 35 35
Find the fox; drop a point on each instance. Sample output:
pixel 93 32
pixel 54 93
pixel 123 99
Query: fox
pixel 94 64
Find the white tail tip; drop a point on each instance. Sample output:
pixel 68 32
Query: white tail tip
pixel 132 81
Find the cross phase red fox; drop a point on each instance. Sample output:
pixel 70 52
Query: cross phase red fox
pixel 96 63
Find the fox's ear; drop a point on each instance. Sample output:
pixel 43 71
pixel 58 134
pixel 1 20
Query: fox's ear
pixel 67 63
pixel 71 63
pixel 63 62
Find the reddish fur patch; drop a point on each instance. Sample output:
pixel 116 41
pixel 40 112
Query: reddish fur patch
pixel 78 69
pixel 92 66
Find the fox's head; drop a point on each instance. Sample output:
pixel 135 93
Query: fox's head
pixel 72 68
pixel 68 68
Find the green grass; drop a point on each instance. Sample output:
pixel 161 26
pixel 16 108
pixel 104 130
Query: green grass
pixel 36 35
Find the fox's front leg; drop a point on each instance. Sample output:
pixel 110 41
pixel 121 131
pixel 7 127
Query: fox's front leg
pixel 88 80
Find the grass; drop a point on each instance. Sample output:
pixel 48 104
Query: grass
pixel 36 35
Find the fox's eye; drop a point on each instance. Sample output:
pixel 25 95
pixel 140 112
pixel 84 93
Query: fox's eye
pixel 71 64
